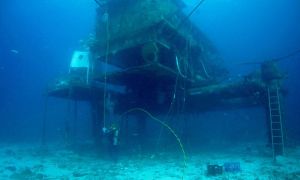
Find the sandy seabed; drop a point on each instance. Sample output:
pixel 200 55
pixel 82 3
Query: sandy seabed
pixel 30 161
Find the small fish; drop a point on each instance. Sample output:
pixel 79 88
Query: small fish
pixel 14 51
pixel 135 134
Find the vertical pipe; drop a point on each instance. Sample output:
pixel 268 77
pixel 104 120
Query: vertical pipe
pixel 75 111
pixel 93 119
pixel 67 132
pixel 141 125
pixel 96 110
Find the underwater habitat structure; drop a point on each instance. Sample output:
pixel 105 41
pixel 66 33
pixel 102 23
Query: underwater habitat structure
pixel 147 56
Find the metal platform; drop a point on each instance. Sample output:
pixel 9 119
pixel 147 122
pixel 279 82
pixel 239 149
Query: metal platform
pixel 153 70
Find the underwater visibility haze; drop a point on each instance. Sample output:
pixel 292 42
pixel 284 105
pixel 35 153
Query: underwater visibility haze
pixel 169 89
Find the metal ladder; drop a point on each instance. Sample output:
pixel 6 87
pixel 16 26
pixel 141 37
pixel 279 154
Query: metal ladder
pixel 276 121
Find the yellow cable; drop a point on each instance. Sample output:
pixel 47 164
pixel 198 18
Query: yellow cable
pixel 169 110
pixel 169 128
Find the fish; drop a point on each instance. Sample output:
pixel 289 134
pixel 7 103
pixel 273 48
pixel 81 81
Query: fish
pixel 14 51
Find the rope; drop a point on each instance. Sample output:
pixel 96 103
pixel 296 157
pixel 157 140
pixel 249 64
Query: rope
pixel 190 14
pixel 169 111
pixel 99 2
pixel 204 69
pixel 188 44
pixel 183 20
pixel 167 127
pixel 293 53
pixel 288 55
pixel 178 68
pixel 105 71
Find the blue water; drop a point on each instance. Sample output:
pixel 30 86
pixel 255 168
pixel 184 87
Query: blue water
pixel 37 38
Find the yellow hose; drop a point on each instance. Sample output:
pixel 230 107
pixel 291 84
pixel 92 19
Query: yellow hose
pixel 166 126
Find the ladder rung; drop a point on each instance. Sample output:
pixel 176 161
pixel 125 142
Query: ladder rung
pixel 274 103
pixel 273 93
pixel 278 143
pixel 276 122
pixel 276 115
pixel 277 136
pixel 274 109
pixel 276 129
